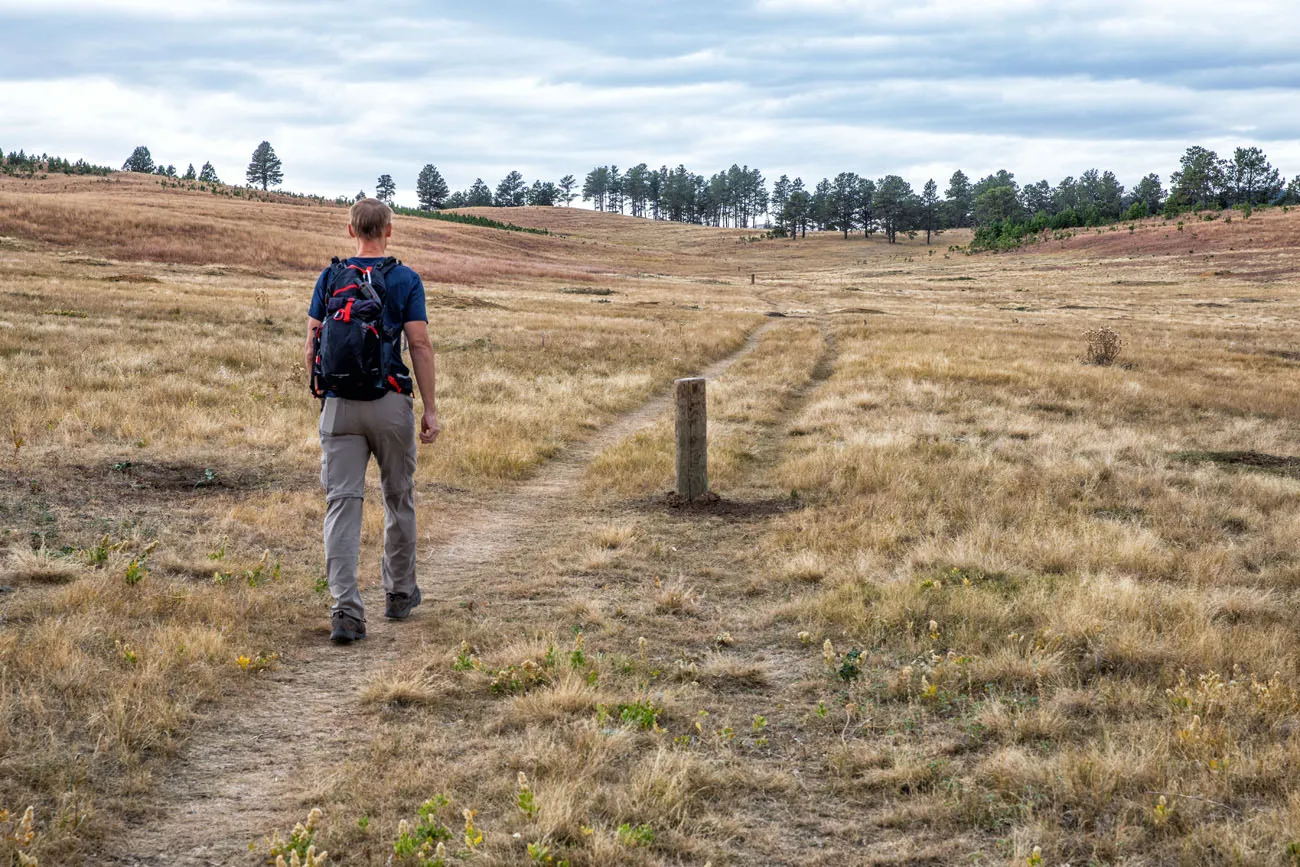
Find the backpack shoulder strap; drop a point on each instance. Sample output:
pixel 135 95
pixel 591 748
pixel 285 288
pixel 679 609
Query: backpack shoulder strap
pixel 336 268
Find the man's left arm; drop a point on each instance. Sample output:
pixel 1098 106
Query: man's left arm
pixel 417 339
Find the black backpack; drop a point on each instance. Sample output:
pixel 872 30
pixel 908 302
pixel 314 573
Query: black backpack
pixel 351 354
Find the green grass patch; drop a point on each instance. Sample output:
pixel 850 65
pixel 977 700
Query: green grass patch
pixel 468 220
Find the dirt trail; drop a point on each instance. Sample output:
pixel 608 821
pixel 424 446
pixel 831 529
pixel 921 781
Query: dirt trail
pixel 243 771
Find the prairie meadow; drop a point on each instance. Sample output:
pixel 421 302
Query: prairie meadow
pixel 964 596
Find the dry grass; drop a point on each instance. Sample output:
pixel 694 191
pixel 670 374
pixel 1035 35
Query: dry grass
pixel 1054 593
pixel 158 401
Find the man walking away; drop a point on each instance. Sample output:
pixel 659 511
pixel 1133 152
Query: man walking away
pixel 359 312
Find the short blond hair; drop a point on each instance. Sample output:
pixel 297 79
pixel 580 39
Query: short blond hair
pixel 370 218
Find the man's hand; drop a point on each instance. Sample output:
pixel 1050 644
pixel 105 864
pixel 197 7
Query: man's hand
pixel 429 427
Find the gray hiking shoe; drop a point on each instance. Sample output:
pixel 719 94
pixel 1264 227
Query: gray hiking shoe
pixel 399 605
pixel 346 628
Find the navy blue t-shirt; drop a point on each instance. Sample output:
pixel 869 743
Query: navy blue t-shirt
pixel 403 303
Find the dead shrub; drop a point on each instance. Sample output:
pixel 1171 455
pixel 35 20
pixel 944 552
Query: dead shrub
pixel 1104 346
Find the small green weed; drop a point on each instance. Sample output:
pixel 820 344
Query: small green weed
pixel 525 799
pixel 577 658
pixel 465 659
pixel 540 853
pixel 256 576
pixel 850 666
pixel 518 679
pixel 424 839
pixel 643 714
pixel 137 569
pixel 104 548
pixel 635 835
pixel 301 845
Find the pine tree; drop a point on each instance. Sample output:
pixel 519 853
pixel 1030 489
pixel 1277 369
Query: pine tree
pixel 959 200
pixel 208 174
pixel 596 187
pixel 844 201
pixel 543 194
pixel 999 203
pixel 430 189
pixel 929 209
pixel 511 192
pixel 189 173
pixel 568 189
pixel 265 167
pixel 615 190
pixel 361 194
pixel 1200 179
pixel 1253 179
pixel 780 195
pixel 1037 198
pixel 658 183
pixel 1150 193
pixel 1292 196
pixel 795 212
pixel 867 207
pixel 895 206
pixel 821 205
pixel 479 195
pixel 139 161
pixel 1065 197
pixel 636 188
pixel 384 189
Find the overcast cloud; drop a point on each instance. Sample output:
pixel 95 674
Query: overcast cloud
pixel 549 87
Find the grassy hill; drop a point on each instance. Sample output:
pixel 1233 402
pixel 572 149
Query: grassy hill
pixel 964 596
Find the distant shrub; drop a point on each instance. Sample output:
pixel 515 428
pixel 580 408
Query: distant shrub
pixel 1103 346
pixel 586 290
pixel 20 164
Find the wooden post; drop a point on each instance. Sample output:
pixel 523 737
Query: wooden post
pixel 752 278
pixel 692 439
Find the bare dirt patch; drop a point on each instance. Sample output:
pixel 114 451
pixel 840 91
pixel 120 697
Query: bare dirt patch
pixel 714 505
pixel 460 302
pixel 1280 465
pixel 166 476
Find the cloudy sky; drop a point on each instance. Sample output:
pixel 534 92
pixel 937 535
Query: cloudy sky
pixel 804 87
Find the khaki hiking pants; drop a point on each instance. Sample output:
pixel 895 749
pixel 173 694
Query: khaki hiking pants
pixel 350 432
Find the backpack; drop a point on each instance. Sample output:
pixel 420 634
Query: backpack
pixel 351 346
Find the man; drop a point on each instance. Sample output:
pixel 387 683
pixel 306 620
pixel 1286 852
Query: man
pixel 353 430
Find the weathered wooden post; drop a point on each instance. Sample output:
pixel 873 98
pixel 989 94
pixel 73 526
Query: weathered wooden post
pixel 692 439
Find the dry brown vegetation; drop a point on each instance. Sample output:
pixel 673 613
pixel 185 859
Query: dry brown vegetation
pixel 964 597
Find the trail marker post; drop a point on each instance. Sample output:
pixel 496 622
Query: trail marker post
pixel 692 439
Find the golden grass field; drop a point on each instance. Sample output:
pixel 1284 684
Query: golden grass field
pixel 965 599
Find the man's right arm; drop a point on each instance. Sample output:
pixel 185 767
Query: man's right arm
pixel 313 327
pixel 315 315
